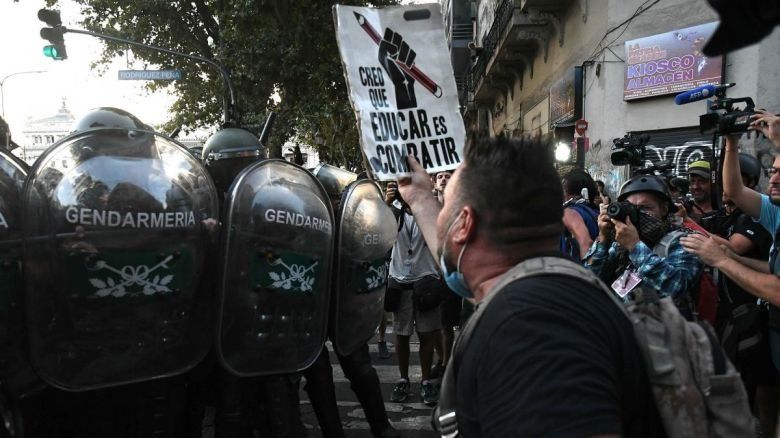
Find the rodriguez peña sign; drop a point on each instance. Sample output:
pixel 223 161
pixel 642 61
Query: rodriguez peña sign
pixel 670 63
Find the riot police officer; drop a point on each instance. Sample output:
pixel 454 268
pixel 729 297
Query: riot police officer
pixel 16 376
pixel 271 322
pixel 118 234
pixel 366 231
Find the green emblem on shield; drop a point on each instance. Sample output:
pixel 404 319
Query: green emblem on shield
pixel 292 273
pixel 130 274
pixel 369 276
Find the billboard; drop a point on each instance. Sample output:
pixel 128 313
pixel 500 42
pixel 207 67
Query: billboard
pixel 670 63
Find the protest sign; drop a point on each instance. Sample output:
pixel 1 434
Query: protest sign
pixel 401 86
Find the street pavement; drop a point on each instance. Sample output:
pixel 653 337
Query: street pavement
pixel 411 419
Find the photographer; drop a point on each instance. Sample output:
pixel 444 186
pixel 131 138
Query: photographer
pixel 414 292
pixel 644 249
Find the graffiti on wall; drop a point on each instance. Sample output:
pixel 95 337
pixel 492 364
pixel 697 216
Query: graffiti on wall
pixel 612 177
pixel 680 156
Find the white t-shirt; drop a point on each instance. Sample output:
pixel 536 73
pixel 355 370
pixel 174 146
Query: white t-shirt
pixel 411 259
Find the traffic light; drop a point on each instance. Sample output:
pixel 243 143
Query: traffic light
pixel 54 34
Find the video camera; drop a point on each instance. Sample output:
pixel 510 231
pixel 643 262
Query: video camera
pixel 629 150
pixel 723 118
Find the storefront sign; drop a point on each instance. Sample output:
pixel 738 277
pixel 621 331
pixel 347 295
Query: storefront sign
pixel 566 97
pixel 670 63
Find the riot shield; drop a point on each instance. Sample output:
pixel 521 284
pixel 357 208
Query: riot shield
pixel 275 273
pixel 119 233
pixel 365 236
pixel 15 371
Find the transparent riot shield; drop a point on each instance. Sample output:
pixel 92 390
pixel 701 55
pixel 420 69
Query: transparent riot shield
pixel 15 372
pixel 275 274
pixel 366 233
pixel 120 229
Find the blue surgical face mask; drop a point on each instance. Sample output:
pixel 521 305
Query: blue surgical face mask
pixel 454 280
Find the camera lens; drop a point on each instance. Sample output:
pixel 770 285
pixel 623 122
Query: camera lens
pixel 613 210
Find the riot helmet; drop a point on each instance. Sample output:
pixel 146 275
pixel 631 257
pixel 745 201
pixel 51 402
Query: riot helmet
pixel 334 179
pixel 228 152
pixel 647 183
pixel 750 168
pixel 108 117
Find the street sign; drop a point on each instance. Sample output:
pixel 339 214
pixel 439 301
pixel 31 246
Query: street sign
pixel 581 126
pixel 150 75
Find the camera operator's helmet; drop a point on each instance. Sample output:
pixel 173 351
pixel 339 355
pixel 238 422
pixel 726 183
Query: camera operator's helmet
pixel 750 167
pixel 229 151
pixel 647 183
pixel 700 168
pixel 108 117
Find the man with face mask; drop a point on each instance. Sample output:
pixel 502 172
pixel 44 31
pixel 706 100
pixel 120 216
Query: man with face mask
pixel 626 252
pixel 552 355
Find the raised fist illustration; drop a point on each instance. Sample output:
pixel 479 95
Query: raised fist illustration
pixel 393 51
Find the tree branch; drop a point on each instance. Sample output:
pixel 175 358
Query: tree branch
pixel 207 18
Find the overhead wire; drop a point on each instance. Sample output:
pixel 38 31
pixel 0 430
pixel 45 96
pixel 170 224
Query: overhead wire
pixel 639 10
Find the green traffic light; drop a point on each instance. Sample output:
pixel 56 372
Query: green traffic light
pixel 52 52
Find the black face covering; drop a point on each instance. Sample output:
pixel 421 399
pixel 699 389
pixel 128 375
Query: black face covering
pixel 651 229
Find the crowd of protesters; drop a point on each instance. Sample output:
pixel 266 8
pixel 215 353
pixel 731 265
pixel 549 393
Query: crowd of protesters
pixel 552 355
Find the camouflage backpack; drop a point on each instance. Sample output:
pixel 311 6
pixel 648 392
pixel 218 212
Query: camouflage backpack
pixel 696 389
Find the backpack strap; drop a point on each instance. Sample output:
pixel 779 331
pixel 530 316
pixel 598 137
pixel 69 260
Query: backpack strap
pixel 444 415
pixel 661 249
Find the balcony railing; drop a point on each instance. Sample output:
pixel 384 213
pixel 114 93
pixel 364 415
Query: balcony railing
pixel 462 31
pixel 501 19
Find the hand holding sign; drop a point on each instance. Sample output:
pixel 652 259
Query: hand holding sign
pixel 392 50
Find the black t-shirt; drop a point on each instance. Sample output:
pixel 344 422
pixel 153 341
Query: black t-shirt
pixel 554 356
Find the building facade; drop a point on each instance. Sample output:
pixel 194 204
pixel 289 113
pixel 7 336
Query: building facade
pixel 309 154
pixel 537 66
pixel 39 135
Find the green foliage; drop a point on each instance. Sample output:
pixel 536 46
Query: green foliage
pixel 269 47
